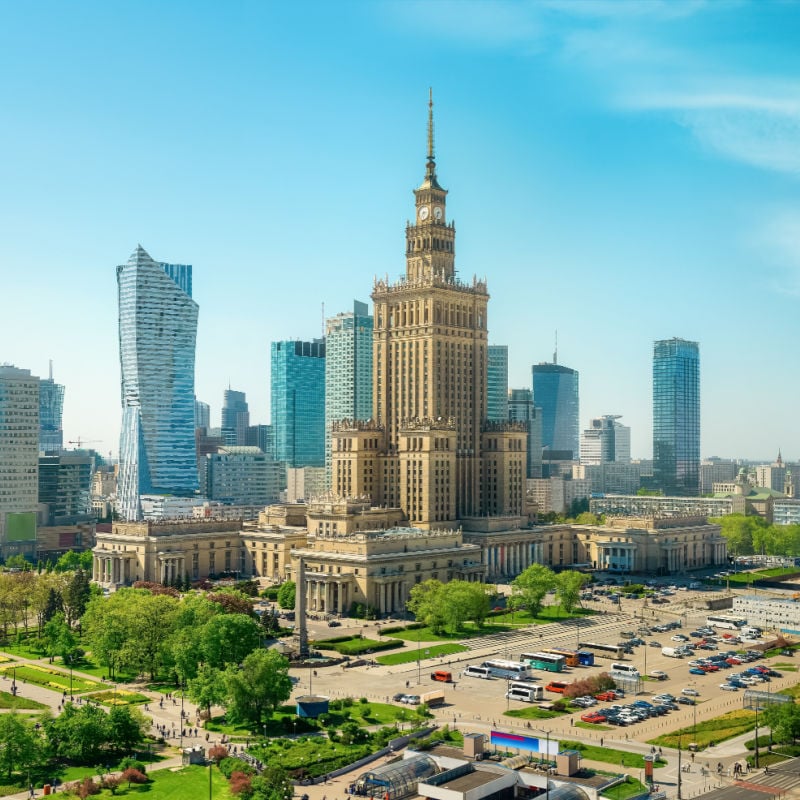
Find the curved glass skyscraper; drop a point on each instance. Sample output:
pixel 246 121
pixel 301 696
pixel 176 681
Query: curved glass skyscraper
pixel 157 333
pixel 676 416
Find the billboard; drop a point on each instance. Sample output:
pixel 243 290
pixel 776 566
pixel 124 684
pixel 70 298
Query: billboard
pixel 21 527
pixel 532 744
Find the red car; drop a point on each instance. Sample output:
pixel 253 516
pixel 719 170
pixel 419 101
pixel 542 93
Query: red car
pixel 733 661
pixel 709 668
pixel 608 695
pixel 593 717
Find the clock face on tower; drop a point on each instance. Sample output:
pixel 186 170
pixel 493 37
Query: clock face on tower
pixel 437 213
pixel 423 213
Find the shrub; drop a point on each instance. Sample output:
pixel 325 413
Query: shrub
pixel 111 782
pixel 363 700
pixel 217 753
pixel 230 765
pixel 85 788
pixel 240 784
pixel 132 763
pixel 133 775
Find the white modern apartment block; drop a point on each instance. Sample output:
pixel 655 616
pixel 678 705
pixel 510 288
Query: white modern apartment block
pixel 770 613
pixel 19 460
pixel 786 511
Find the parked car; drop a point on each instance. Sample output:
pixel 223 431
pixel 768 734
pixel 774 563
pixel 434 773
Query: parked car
pixel 691 691
pixel 728 687
pixel 686 701
pixel 658 674
pixel 697 671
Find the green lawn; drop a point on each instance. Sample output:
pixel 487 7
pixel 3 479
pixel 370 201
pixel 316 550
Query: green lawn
pixel 7 700
pixel 411 655
pixel 24 647
pixel 357 645
pixel 622 791
pixel 608 755
pixel 284 720
pixel 590 727
pixel 49 678
pixel 176 784
pixel 713 730
pixel 534 713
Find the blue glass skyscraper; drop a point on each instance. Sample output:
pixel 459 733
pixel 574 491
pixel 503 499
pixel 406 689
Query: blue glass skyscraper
pixel 157 333
pixel 555 391
pixel 497 383
pixel 676 416
pixel 298 402
pixel 51 409
pixel 348 370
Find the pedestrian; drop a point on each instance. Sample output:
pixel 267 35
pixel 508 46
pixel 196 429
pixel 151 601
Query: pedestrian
pixel 601 739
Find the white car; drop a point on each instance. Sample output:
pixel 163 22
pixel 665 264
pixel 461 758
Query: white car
pixel 690 692
pixel 679 637
pixel 658 674
pixel 726 687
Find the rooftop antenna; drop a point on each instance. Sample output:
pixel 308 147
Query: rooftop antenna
pixel 323 320
pixel 51 369
pixel 555 352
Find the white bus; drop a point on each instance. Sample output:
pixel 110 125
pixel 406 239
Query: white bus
pixel 500 668
pixel 472 671
pixel 626 669
pixel 524 693
pixel 725 621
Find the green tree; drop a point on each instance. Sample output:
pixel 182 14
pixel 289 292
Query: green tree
pixel 150 619
pixel 255 690
pixel 59 638
pixel 72 561
pixel 568 589
pixel 126 727
pixel 531 586
pixel 105 628
pixel 76 596
pixel 286 594
pixel 228 639
pixel 20 744
pixel 784 719
pixel 426 604
pixel 208 688
pixel 79 733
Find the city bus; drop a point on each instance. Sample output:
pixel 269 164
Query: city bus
pixel 546 660
pixel 725 621
pixel 607 650
pixel 570 656
pixel 514 670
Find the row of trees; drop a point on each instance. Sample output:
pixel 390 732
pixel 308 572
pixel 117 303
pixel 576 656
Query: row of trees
pixel 29 598
pixel 747 535
pixel 530 588
pixel 80 734
pixel 445 607
pixel 210 644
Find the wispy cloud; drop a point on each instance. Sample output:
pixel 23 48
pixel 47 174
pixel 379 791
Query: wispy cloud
pixel 779 240
pixel 757 123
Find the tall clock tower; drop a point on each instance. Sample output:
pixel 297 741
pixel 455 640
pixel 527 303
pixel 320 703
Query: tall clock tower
pixel 430 240
pixel 429 449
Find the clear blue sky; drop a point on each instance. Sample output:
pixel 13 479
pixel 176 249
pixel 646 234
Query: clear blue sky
pixel 619 171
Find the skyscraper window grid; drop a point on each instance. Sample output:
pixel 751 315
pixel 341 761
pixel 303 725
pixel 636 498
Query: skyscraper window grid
pixel 676 416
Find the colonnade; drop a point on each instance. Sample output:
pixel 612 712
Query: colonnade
pixel 509 559
pixel 113 568
pixel 330 596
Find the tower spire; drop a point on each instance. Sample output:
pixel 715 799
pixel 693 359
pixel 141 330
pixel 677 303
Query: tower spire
pixel 430 172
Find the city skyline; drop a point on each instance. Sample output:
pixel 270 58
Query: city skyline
pixel 648 149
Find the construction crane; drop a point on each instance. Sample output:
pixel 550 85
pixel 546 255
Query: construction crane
pixel 80 442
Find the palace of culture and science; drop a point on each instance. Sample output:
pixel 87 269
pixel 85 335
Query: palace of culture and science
pixel 428 488
pixel 429 448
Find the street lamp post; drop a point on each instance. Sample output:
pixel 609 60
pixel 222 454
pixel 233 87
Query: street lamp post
pixel 679 796
pixel 756 734
pixel 419 664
